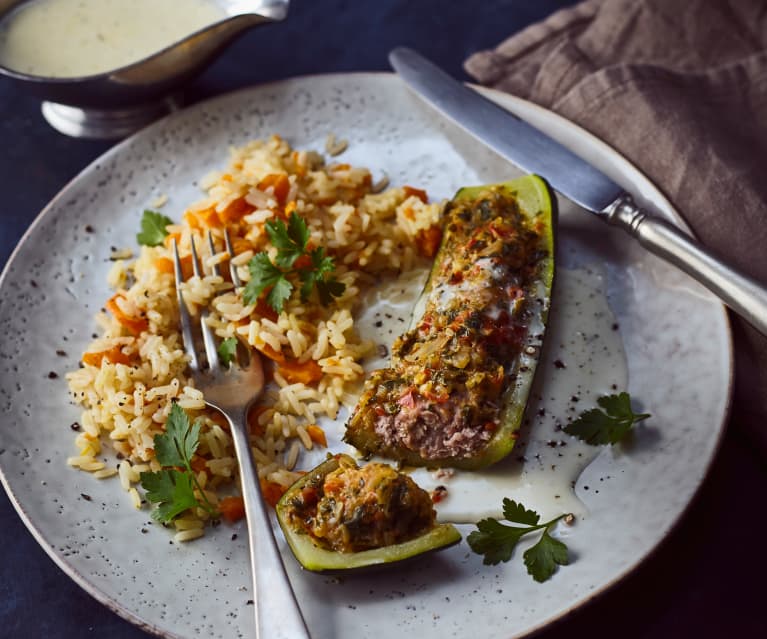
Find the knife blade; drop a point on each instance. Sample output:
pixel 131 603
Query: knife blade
pixel 533 151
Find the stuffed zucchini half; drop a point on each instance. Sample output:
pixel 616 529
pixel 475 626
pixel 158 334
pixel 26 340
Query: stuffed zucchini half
pixel 456 390
pixel 339 517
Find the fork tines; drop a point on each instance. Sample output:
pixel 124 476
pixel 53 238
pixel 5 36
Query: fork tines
pixel 208 337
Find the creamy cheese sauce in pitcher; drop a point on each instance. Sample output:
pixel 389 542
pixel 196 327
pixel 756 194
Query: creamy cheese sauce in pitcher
pixel 73 38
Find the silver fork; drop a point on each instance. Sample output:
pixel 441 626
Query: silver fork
pixel 231 390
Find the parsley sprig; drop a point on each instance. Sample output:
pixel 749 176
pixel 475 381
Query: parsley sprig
pixel 153 228
pixel 294 261
pixel 227 350
pixel 173 487
pixel 609 425
pixel 496 541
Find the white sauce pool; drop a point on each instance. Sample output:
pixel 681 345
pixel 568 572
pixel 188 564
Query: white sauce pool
pixel 72 38
pixel 582 359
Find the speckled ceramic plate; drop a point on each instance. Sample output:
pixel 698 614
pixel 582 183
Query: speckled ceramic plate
pixel 675 337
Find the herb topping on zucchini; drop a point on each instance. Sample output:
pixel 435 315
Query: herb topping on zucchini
pixel 458 383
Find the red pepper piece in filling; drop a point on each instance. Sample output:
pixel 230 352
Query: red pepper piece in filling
pixel 407 399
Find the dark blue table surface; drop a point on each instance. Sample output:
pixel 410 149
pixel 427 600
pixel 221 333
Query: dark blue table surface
pixel 704 580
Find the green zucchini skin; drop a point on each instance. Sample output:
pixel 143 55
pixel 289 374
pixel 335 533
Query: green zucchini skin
pixel 317 559
pixel 535 202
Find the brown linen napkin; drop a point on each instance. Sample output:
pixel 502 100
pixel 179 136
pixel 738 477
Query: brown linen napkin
pixel 679 87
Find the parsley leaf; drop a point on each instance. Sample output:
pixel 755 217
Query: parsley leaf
pixel 263 274
pixel 543 558
pixel 292 261
pixel 609 425
pixel 308 283
pixel 320 262
pixel 518 514
pixel 172 489
pixel 227 349
pixel 177 445
pixel 290 241
pixel 496 541
pixel 328 289
pixel 279 294
pixel 174 486
pixel 153 228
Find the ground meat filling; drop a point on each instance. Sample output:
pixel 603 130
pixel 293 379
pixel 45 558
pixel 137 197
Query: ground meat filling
pixel 434 430
pixel 442 397
pixel 354 509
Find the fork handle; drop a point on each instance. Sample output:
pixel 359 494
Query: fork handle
pixel 278 615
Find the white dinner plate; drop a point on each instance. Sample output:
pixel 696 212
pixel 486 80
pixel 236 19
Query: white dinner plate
pixel 675 337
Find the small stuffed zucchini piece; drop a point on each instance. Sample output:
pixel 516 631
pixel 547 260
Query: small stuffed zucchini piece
pixel 457 386
pixel 340 516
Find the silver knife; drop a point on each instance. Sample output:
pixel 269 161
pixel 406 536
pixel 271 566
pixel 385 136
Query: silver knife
pixel 535 152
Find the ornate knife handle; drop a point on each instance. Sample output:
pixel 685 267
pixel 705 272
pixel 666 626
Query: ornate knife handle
pixel 744 295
